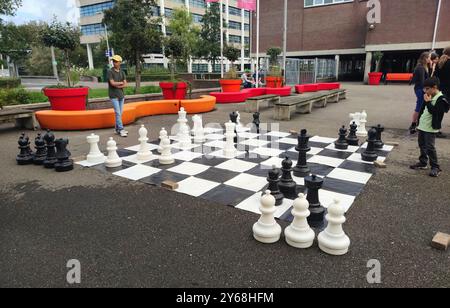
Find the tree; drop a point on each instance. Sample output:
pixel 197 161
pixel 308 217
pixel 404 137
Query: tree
pixel 135 31
pixel 9 7
pixel 14 43
pixel 209 45
pixel 174 50
pixel 66 38
pixel 182 26
pixel 274 53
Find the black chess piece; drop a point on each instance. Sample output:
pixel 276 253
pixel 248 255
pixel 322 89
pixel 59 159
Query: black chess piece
pixel 314 184
pixel 379 144
pixel 274 180
pixel 341 143
pixel 233 117
pixel 63 155
pixel 25 156
pixel 287 185
pixel 41 150
pixel 257 121
pixel 50 159
pixel 352 138
pixel 370 155
pixel 302 169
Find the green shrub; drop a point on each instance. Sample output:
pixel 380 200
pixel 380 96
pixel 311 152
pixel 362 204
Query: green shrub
pixel 153 77
pixel 9 83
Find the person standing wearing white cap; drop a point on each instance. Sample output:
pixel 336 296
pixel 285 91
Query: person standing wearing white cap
pixel 117 82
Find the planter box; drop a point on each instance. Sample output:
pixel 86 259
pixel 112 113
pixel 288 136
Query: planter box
pixel 375 78
pixel 230 85
pixel 172 90
pixel 67 99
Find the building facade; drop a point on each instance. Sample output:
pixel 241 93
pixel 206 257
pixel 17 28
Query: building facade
pixel 340 30
pixel 236 20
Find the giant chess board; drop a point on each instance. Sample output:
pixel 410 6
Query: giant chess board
pixel 203 172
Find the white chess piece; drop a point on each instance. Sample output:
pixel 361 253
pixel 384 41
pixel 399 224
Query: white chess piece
pixel 333 240
pixel 162 135
pixel 94 156
pixel 267 230
pixel 166 157
pixel 185 138
pixel 355 117
pixel 182 122
pixel 229 150
pixel 144 153
pixel 362 131
pixel 299 234
pixel 199 133
pixel 113 160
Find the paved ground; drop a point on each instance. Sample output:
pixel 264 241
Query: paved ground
pixel 130 234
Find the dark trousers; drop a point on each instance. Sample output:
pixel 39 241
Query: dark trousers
pixel 427 147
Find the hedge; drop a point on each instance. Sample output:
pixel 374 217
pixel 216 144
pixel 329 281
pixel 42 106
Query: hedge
pixel 153 77
pixel 8 83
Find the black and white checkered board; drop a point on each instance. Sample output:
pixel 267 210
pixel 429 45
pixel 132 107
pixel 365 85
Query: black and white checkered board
pixel 203 172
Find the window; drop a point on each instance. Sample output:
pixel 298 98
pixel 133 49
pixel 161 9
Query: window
pixel 197 18
pixel 247 27
pixel 311 3
pixel 168 12
pixel 234 25
pixel 197 3
pixel 90 10
pixel 92 29
pixel 200 68
pixel 235 39
pixel 156 11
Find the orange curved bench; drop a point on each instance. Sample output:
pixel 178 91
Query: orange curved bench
pixel 203 104
pixel 105 118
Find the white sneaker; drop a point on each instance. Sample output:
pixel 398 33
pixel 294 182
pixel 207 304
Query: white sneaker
pixel 123 133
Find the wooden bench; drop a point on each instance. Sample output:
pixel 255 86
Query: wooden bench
pixel 23 118
pixel 253 104
pixel 287 105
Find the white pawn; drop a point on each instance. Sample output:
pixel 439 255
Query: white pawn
pixel 229 150
pixel 199 133
pixel 362 131
pixel 299 234
pixel 333 240
pixel 166 157
pixel 162 135
pixel 113 160
pixel 144 153
pixel 94 156
pixel 267 230
pixel 185 138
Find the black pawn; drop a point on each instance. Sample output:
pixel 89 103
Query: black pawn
pixel 341 143
pixel 257 121
pixel 41 150
pixel 25 156
pixel 313 184
pixel 50 159
pixel 302 169
pixel 63 155
pixel 370 155
pixel 287 185
pixel 352 138
pixel 274 180
pixel 379 144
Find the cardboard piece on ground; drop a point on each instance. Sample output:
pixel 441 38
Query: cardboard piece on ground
pixel 441 241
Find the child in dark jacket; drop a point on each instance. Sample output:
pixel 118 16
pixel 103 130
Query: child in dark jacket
pixel 436 104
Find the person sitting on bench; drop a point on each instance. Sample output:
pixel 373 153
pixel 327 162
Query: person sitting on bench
pixel 247 81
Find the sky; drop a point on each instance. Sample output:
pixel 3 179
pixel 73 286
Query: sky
pixel 44 10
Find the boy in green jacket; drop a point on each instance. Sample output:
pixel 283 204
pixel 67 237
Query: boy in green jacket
pixel 430 122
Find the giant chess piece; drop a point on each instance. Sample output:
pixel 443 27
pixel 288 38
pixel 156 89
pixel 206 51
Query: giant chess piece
pixel 94 156
pixel 362 132
pixel 341 143
pixel 234 117
pixel 162 135
pixel 355 118
pixel 333 239
pixel 41 150
pixel 257 121
pixel 51 159
pixel 182 122
pixel 274 179
pixel 185 138
pixel 166 157
pixel 113 160
pixel 267 230
pixel 370 155
pixel 229 150
pixel 198 130
pixel 352 138
pixel 302 169
pixel 63 155
pixel 379 144
pixel 25 157
pixel 313 184
pixel 299 234
pixel 144 153
pixel 287 185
